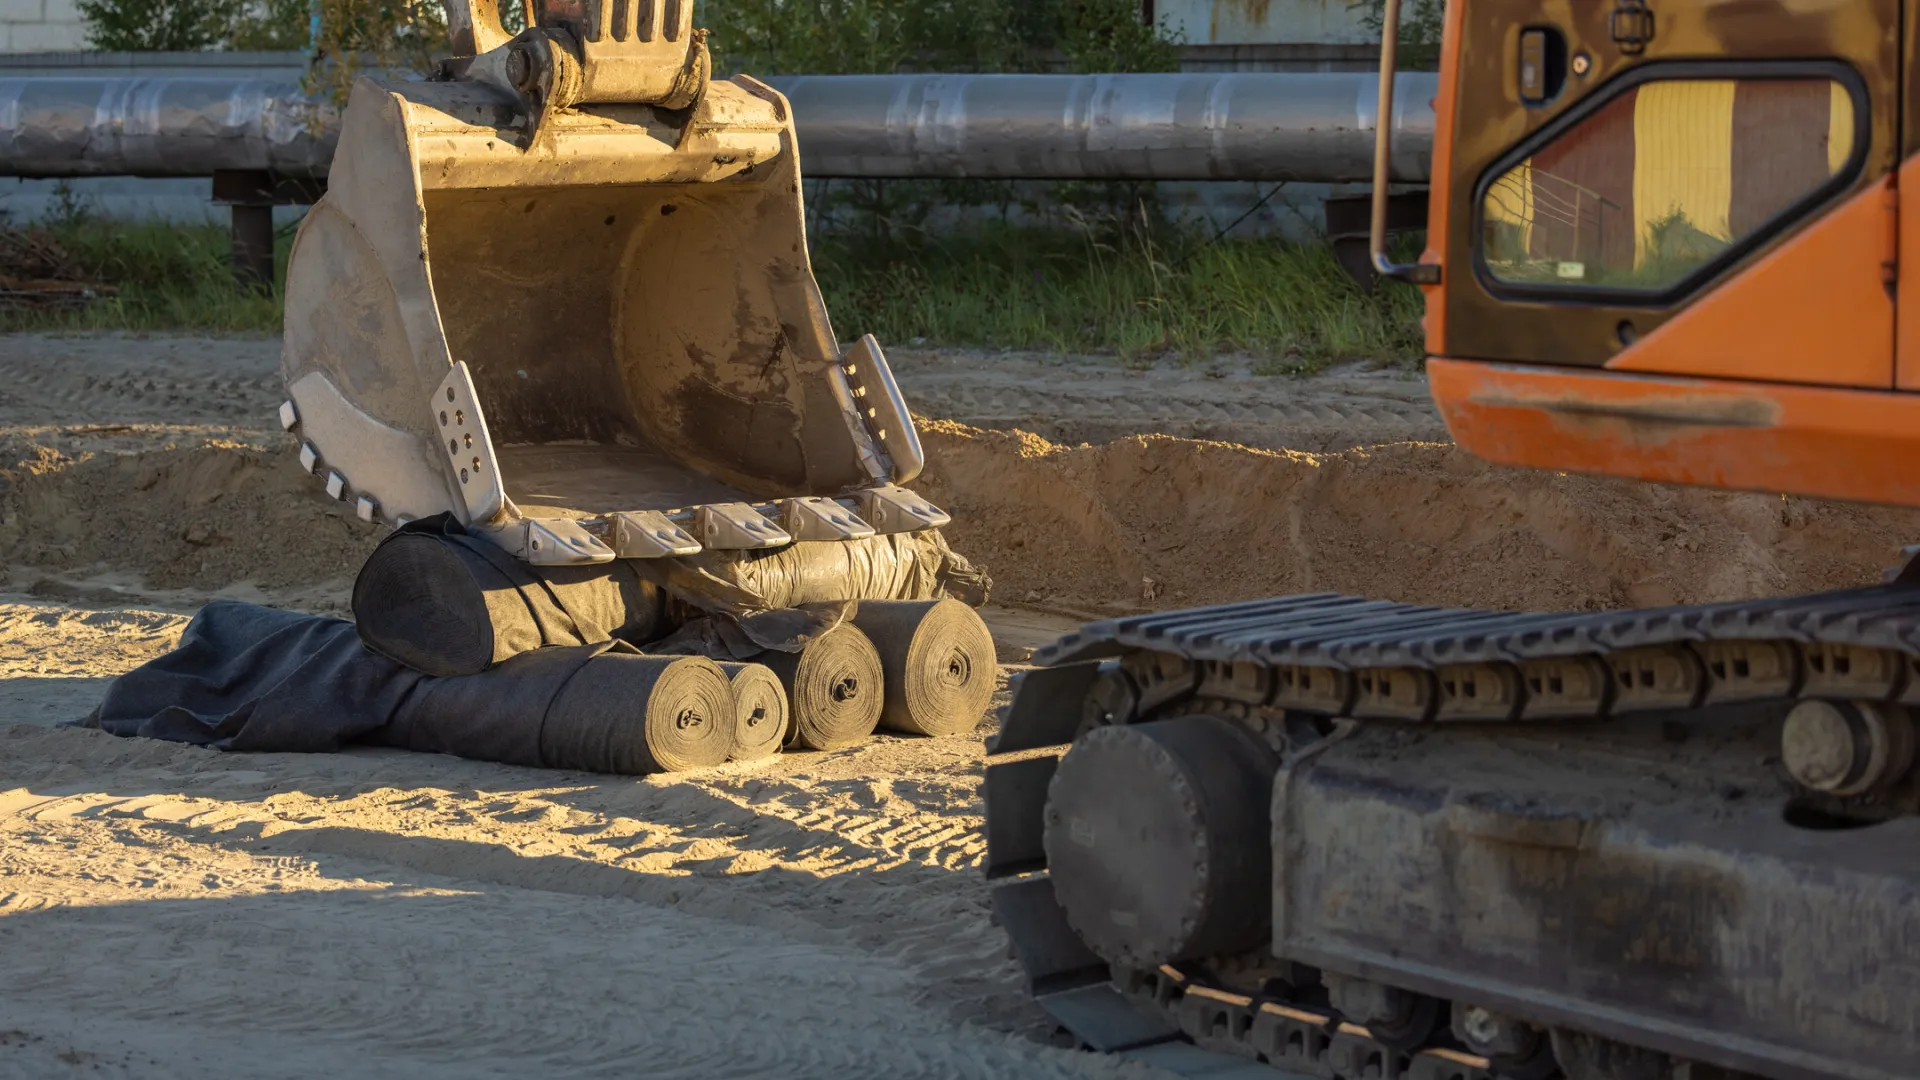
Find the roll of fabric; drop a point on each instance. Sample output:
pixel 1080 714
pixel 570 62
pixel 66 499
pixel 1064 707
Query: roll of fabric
pixel 834 688
pixel 937 659
pixel 251 678
pixel 493 715
pixel 760 706
pixel 447 603
pixel 601 708
pixel 629 714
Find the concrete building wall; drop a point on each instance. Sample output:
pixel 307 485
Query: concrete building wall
pixel 41 26
pixel 1265 22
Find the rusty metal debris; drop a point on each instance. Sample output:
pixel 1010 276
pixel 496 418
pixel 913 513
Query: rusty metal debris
pixel 38 274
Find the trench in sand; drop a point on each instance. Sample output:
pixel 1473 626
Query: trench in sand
pixel 1140 523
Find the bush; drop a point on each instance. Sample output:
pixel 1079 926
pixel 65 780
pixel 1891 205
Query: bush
pixel 272 25
pixel 838 37
pixel 1420 24
pixel 159 25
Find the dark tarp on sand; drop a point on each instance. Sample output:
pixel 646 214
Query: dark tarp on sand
pixel 252 678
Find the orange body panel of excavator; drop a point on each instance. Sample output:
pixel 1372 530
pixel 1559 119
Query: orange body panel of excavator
pixel 1679 259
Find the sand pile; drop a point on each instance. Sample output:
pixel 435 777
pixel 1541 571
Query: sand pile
pixel 200 518
pixel 1154 522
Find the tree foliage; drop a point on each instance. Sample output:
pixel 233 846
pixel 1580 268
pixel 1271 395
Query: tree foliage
pixel 1420 24
pixel 159 25
pixel 767 36
pixel 879 36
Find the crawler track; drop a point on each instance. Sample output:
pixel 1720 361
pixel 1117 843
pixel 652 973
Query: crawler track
pixel 1572 825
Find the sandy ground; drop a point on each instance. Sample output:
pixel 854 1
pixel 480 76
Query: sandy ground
pixel 166 911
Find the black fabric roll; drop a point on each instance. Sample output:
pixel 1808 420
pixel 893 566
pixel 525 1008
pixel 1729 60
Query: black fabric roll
pixel 629 714
pixel 760 709
pixel 499 714
pixel 834 688
pixel 448 603
pixel 938 660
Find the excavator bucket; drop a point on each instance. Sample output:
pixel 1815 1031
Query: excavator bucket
pixel 562 290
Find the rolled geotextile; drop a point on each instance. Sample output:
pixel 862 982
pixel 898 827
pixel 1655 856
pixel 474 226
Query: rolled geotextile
pixel 834 688
pixel 760 705
pixel 597 708
pixel 630 714
pixel 446 603
pixel 938 661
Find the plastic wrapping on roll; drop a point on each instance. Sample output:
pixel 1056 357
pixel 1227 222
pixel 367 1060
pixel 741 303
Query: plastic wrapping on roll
pixel 835 688
pixel 897 566
pixel 938 661
pixel 447 603
pixel 760 710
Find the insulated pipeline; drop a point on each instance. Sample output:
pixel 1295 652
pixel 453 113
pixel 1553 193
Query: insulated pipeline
pixel 58 127
pixel 1314 127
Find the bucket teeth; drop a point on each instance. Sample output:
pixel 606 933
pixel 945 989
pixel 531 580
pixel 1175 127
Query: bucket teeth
pixel 815 518
pixel 893 509
pixel 309 456
pixel 367 508
pixel 336 486
pixel 736 527
pixel 650 534
pixel 289 416
pixel 548 542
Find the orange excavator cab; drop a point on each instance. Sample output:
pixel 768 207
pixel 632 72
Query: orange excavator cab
pixel 1667 244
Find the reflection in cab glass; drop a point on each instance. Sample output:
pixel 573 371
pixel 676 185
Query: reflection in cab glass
pixel 1663 178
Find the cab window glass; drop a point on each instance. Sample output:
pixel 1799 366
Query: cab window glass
pixel 1662 179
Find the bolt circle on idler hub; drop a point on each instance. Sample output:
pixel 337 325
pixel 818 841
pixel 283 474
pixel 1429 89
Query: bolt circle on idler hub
pixel 1157 840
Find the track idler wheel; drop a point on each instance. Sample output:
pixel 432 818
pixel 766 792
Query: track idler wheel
pixel 1514 1049
pixel 1157 840
pixel 1397 1019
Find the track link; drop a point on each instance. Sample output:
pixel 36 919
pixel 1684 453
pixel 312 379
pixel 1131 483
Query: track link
pixel 1305 671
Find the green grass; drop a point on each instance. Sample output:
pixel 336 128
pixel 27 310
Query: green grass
pixel 1287 307
pixel 168 277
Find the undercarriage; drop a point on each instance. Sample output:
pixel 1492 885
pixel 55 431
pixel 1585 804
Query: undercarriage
pixel 1340 838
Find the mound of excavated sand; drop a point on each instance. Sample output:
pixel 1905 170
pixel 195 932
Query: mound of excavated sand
pixel 1140 523
pixel 1155 522
pixel 202 518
